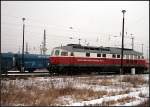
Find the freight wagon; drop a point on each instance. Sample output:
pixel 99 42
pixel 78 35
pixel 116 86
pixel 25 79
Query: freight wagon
pixel 11 61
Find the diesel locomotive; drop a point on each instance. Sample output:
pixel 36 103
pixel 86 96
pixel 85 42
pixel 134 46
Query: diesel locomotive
pixel 75 58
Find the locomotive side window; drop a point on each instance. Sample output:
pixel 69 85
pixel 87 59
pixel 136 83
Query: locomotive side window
pixel 113 55
pixel 103 55
pixel 88 54
pixel 135 57
pixel 131 56
pixel 118 56
pixel 64 53
pixel 138 57
pixel 57 52
pixel 142 57
pixel 98 55
pixel 71 54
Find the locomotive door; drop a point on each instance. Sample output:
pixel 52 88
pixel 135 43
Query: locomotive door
pixel 71 61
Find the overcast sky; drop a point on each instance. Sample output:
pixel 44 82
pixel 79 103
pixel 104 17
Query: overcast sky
pixel 97 22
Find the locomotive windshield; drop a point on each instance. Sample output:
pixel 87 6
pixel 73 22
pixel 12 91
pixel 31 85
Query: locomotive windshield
pixel 57 52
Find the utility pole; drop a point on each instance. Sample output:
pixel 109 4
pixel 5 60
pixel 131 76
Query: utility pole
pixel 147 53
pixel 142 48
pixel 22 67
pixel 79 41
pixel 41 49
pixel 70 38
pixel 121 71
pixel 0 55
pixel 44 43
pixel 132 41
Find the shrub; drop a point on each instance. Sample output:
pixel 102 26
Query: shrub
pixel 135 80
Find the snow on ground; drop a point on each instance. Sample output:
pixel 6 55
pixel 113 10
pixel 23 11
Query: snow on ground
pixel 108 98
pixel 88 83
pixel 146 76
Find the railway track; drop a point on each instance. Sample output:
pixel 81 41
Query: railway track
pixel 46 74
pixel 25 74
pixel 41 74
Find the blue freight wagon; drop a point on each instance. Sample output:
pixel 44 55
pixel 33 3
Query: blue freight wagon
pixel 7 62
pixel 32 62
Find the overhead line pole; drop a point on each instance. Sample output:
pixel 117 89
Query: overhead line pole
pixel 22 67
pixel 121 71
pixel 132 41
pixel 44 43
pixel 79 41
pixel 0 55
pixel 142 48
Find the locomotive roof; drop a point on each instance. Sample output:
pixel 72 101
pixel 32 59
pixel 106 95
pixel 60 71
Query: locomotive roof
pixel 92 49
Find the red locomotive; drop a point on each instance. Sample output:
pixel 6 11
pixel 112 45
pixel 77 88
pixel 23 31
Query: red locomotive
pixel 75 59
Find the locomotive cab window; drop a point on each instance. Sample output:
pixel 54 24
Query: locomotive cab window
pixel 118 56
pixel 103 55
pixel 64 53
pixel 114 56
pixel 88 54
pixel 71 54
pixel 98 55
pixel 138 57
pixel 57 52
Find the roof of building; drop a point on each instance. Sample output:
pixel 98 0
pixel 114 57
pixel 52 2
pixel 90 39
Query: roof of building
pixel 94 49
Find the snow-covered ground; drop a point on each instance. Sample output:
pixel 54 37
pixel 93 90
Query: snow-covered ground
pixel 116 89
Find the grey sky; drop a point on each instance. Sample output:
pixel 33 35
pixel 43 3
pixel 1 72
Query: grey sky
pixel 90 20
